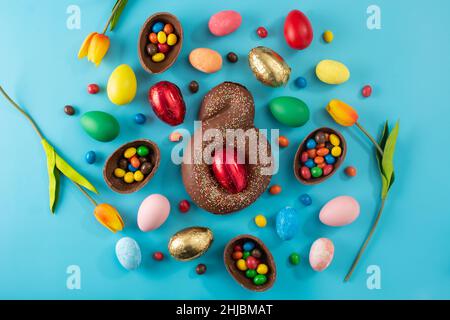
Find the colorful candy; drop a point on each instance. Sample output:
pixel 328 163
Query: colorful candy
pixel 305 199
pixel 275 189
pixel 350 171
pixel 90 157
pixel 140 118
pixel 241 265
pixel 262 32
pixel 294 258
pixel 260 221
pixel 232 57
pixel 259 279
pixel 158 256
pixel 69 110
pixel 193 86
pixel 283 141
pixel 301 82
pixel 328 36
pixel 162 38
pixel 93 88
pixel 251 261
pixel 200 269
pixel 366 91
pixel 184 206
pixel 134 165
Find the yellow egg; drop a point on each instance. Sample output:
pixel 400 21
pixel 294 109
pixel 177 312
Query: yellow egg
pixel 332 72
pixel 241 265
pixel 122 85
pixel 129 177
pixel 260 221
pixel 262 268
pixel 328 36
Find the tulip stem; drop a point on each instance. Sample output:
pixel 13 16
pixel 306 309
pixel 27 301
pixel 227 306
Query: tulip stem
pixel 366 242
pixel 112 15
pixel 23 112
pixel 86 194
pixel 370 138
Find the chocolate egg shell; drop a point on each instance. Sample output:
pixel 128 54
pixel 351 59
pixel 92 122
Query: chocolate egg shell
pixel 146 60
pixel 302 147
pixel 238 275
pixel 117 184
pixel 269 67
pixel 190 243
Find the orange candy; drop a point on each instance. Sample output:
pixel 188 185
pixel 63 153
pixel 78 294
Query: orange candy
pixel 350 171
pixel 323 152
pixel 275 189
pixel 153 38
pixel 168 29
pixel 283 141
pixel 319 160
pixel 237 255
pixel 312 153
pixel 135 162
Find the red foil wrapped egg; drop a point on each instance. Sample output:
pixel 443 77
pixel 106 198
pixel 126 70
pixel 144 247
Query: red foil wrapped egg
pixel 167 102
pixel 230 174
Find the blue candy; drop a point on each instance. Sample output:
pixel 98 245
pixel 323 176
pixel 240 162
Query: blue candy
pixel 140 118
pixel 131 168
pixel 311 144
pixel 248 246
pixel 306 199
pixel 287 223
pixel 157 27
pixel 301 82
pixel 90 157
pixel 330 159
pixel 310 163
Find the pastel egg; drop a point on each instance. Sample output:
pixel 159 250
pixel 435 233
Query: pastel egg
pixel 153 212
pixel 287 223
pixel 339 211
pixel 128 253
pixel 321 254
pixel 332 72
pixel 205 60
pixel 224 22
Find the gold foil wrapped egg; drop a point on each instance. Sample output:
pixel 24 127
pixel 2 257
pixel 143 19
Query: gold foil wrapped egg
pixel 190 243
pixel 269 67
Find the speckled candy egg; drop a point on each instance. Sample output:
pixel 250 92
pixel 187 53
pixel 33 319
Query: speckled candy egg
pixel 128 253
pixel 321 254
pixel 287 223
pixel 153 212
pixel 339 211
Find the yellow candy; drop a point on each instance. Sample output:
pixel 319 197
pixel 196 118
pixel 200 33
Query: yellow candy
pixel 241 265
pixel 172 39
pixel 129 152
pixel 138 176
pixel 334 140
pixel 129 177
pixel 336 151
pixel 328 36
pixel 119 173
pixel 262 269
pixel 260 221
pixel 162 38
pixel 158 57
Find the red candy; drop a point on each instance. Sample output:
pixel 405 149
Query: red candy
pixel 163 47
pixel 304 157
pixel 184 206
pixel 251 262
pixel 230 174
pixel 366 91
pixel 305 173
pixel 312 153
pixel 93 88
pixel 298 31
pixel 262 32
pixel 237 248
pixel 237 255
pixel 167 102
pixel 158 256
pixel 327 169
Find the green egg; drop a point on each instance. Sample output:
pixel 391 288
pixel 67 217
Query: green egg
pixel 290 111
pixel 100 125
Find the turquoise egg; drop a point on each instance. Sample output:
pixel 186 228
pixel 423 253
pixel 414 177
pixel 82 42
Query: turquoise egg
pixel 287 223
pixel 128 253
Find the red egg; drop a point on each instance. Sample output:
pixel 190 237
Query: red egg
pixel 298 31
pixel 167 102
pixel 230 174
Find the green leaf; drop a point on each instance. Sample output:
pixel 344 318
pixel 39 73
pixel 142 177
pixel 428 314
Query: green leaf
pixel 72 174
pixel 116 16
pixel 387 162
pixel 53 181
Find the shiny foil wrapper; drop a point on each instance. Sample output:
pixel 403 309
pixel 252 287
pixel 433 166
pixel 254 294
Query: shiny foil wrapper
pixel 269 67
pixel 190 243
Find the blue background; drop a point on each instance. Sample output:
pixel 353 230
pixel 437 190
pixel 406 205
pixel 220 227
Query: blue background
pixel 406 62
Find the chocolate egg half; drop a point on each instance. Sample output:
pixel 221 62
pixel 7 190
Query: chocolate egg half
pixel 190 243
pixel 269 67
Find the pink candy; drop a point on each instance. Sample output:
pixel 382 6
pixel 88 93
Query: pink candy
pixel 224 22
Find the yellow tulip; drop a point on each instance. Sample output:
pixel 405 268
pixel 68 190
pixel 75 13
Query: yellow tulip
pixel 108 216
pixel 342 113
pixel 95 47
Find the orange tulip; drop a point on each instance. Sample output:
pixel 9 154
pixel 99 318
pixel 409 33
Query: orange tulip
pixel 342 113
pixel 95 47
pixel 108 216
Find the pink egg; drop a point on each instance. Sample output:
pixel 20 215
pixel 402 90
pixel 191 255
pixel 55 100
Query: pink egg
pixel 224 22
pixel 339 211
pixel 153 212
pixel 321 254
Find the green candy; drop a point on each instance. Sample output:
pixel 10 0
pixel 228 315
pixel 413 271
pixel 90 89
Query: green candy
pixel 259 279
pixel 100 125
pixel 316 172
pixel 294 258
pixel 250 273
pixel 289 111
pixel 142 151
pixel 245 255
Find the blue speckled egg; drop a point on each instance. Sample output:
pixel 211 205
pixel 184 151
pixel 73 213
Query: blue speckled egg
pixel 128 253
pixel 288 222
